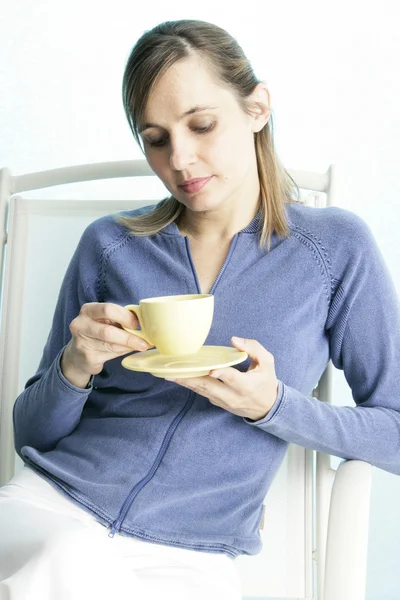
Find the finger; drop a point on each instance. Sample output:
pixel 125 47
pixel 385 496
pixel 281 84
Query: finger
pixel 107 311
pixel 118 316
pixel 254 349
pixel 204 386
pixel 216 392
pixel 115 339
pixel 189 382
pixel 214 388
pixel 230 377
pixel 104 336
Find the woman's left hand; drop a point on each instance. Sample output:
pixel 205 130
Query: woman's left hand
pixel 251 394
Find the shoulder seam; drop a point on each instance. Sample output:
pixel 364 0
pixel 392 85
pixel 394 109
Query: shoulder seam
pixel 315 244
pixel 106 252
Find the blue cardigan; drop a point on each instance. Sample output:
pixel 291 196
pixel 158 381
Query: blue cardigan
pixel 156 461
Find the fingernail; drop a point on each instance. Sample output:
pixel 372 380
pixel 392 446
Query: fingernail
pixel 238 340
pixel 169 379
pixel 215 375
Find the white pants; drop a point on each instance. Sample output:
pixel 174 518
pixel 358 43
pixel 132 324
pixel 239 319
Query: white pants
pixel 50 549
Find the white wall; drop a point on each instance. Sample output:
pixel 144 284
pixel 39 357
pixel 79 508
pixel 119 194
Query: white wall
pixel 333 71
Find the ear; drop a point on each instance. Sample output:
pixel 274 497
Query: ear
pixel 260 101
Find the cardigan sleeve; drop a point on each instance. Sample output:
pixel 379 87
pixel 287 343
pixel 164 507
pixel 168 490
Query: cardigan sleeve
pixel 363 327
pixel 50 407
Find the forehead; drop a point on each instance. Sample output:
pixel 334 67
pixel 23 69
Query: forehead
pixel 187 83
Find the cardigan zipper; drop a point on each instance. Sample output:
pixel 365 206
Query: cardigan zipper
pixel 115 526
pixel 226 262
pixel 171 430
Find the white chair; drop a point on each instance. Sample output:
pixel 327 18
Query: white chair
pixel 315 543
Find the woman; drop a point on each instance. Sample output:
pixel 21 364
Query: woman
pixel 178 470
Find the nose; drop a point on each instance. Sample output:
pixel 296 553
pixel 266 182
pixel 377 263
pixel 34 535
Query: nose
pixel 182 154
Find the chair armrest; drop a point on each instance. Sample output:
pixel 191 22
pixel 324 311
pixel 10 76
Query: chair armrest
pixel 347 539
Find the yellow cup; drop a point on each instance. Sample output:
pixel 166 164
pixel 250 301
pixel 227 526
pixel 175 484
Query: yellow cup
pixel 175 325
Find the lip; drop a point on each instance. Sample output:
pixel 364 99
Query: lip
pixel 191 186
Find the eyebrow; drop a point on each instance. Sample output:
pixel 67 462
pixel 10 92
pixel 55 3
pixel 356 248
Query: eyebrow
pixel 191 111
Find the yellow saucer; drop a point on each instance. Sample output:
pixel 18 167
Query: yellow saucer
pixel 194 365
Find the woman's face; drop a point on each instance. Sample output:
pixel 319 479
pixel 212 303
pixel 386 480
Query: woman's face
pixel 198 139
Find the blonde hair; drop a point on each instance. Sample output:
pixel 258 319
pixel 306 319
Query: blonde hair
pixel 150 58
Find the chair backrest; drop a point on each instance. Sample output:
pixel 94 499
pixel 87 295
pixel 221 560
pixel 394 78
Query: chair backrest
pixel 32 277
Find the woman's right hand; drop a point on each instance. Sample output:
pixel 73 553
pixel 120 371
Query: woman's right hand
pixel 98 336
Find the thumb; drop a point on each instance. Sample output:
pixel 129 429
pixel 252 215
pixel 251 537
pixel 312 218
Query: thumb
pixel 254 349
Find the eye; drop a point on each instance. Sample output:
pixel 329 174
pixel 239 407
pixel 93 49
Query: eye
pixel 204 128
pixel 156 142
pixel 159 142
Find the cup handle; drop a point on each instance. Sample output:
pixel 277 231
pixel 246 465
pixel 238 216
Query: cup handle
pixel 142 334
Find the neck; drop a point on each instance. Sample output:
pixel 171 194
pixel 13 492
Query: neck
pixel 219 224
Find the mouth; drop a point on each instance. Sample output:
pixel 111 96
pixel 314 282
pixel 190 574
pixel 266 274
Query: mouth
pixel 192 186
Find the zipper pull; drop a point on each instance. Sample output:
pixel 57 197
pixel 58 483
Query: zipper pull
pixel 114 528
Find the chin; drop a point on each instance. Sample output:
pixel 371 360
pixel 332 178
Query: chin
pixel 201 205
